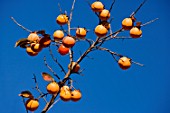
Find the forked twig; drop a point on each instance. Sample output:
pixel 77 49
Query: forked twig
pixel 20 25
pixel 37 88
pixel 55 74
pixel 56 61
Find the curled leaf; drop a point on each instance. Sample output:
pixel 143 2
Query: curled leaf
pixel 26 94
pixel 47 77
pixel 22 42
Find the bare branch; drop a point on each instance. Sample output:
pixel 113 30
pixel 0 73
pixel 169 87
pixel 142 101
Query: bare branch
pixel 112 5
pixel 20 25
pixel 119 55
pixel 37 88
pixel 133 13
pixel 55 74
pixel 71 12
pixel 23 100
pixel 56 61
pixel 54 103
pixel 59 8
pixel 149 22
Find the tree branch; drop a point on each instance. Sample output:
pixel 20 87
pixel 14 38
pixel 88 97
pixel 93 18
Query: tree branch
pixel 20 25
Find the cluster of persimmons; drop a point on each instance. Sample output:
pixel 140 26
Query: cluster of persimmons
pixel 37 40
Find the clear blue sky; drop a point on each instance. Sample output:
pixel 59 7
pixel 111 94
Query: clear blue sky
pixel 105 87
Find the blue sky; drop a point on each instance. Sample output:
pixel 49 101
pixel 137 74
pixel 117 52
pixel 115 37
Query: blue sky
pixel 105 87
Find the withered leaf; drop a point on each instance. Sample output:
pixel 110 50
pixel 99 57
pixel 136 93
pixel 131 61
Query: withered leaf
pixel 22 42
pixel 47 77
pixel 26 94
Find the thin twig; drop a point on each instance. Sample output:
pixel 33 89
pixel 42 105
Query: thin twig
pixel 137 63
pixel 133 13
pixel 56 61
pixel 112 5
pixel 59 7
pixel 55 74
pixel 71 12
pixel 119 55
pixel 20 25
pixel 149 22
pixel 37 88
pixel 23 100
pixel 54 103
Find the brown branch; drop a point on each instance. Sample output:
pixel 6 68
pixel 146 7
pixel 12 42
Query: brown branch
pixel 88 50
pixel 59 8
pixel 37 88
pixel 112 5
pixel 149 22
pixel 20 25
pixel 55 74
pixel 23 100
pixel 119 55
pixel 56 61
pixel 133 13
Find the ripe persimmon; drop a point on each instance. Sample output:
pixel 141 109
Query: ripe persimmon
pixel 74 67
pixel 100 31
pixel 36 47
pixel 81 32
pixel 62 19
pixel 45 41
pixel 63 50
pixel 127 23
pixel 58 35
pixel 124 63
pixel 53 88
pixel 33 37
pixel 32 104
pixel 104 14
pixel 135 32
pixel 76 95
pixel 97 6
pixel 65 93
pixel 30 51
pixel 68 41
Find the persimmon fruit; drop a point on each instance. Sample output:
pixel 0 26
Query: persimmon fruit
pixel 74 67
pixel 100 31
pixel 81 32
pixel 58 35
pixel 63 50
pixel 36 47
pixel 97 6
pixel 30 51
pixel 33 37
pixel 124 63
pixel 135 32
pixel 68 41
pixel 32 104
pixel 65 93
pixel 62 19
pixel 76 95
pixel 104 14
pixel 53 88
pixel 127 23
